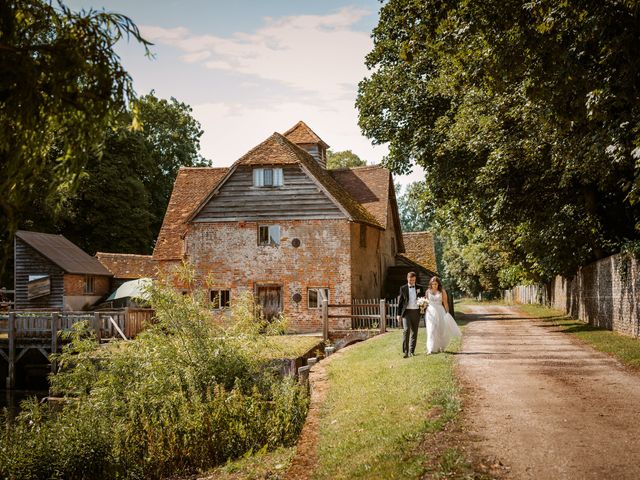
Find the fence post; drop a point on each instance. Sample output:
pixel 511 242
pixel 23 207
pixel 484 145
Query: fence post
pixel 11 378
pixel 383 315
pixel 55 317
pixel 97 326
pixel 325 319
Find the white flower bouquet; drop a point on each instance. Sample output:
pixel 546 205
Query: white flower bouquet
pixel 422 304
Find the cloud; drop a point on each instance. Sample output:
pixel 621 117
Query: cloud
pixel 322 54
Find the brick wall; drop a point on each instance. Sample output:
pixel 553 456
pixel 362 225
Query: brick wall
pixel 74 285
pixel 605 293
pixel 228 254
pixel 369 264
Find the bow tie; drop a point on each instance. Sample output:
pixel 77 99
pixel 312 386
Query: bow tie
pixel 412 286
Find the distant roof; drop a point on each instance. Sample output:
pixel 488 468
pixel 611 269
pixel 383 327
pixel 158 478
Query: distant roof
pixel 192 185
pixel 126 265
pixel 372 186
pixel 65 254
pixel 420 249
pixel 301 134
pixel 277 150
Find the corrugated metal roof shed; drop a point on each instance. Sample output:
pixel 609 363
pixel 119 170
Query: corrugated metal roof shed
pixel 68 256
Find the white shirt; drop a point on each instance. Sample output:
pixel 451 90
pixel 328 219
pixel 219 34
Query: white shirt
pixel 413 298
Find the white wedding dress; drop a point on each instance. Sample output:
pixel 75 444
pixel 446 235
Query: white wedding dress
pixel 441 327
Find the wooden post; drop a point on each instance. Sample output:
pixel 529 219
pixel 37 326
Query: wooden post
pixel 383 315
pixel 11 378
pixel 55 318
pixel 325 319
pixel 97 326
pixel 127 327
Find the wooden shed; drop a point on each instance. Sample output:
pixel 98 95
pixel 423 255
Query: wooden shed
pixel 53 273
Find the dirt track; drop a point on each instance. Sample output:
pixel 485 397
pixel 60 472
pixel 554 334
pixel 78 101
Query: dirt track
pixel 545 405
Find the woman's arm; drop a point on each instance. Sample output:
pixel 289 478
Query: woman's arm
pixel 445 300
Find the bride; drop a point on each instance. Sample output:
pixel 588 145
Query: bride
pixel 441 327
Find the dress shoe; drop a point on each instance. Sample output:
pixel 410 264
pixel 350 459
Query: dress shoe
pixel 406 355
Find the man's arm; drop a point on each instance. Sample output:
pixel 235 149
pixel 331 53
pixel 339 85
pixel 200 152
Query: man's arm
pixel 400 304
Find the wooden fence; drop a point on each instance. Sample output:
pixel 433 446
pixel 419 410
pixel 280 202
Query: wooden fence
pixel 365 314
pixel 22 331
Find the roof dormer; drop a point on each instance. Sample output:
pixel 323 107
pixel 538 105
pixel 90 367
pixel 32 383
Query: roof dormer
pixel 305 138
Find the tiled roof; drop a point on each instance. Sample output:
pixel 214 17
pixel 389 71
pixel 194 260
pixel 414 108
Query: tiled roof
pixel 277 150
pixel 420 249
pixel 192 185
pixel 64 253
pixel 301 134
pixel 371 186
pixel 125 265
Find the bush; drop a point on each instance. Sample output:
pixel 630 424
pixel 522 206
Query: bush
pixel 186 395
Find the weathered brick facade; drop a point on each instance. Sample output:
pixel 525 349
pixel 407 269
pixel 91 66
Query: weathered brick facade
pixel 228 254
pixel 74 285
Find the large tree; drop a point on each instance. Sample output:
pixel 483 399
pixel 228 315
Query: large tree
pixel 525 117
pixel 61 83
pixel 122 194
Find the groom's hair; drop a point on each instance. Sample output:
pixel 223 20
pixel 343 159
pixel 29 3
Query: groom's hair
pixel 411 275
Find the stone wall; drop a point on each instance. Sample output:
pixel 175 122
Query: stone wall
pixel 605 293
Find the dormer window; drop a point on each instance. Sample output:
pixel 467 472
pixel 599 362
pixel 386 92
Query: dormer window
pixel 267 177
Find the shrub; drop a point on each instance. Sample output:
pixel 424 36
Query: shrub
pixel 187 394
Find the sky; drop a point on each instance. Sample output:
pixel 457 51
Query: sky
pixel 252 67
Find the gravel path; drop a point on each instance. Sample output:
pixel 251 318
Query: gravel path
pixel 545 405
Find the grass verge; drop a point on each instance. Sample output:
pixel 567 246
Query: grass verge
pixel 624 348
pixel 383 413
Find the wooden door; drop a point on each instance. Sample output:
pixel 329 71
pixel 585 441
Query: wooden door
pixel 269 297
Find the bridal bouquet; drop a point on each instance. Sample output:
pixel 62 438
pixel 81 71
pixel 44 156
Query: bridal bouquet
pixel 422 304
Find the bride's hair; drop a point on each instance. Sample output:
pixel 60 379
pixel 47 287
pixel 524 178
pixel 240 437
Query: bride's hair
pixel 437 280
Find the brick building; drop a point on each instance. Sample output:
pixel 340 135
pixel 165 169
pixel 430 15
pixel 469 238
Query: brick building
pixel 279 224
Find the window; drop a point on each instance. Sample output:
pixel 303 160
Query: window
pixel 88 284
pixel 220 299
pixel 269 235
pixel 363 235
pixel 268 177
pixel 315 297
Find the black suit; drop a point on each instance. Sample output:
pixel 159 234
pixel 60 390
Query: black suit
pixel 410 318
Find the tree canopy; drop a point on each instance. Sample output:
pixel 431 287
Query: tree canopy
pixel 526 119
pixel 123 193
pixel 61 88
pixel 343 159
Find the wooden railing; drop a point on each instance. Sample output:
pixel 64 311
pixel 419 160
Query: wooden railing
pixel 364 314
pixel 22 331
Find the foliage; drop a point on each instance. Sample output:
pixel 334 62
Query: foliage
pixel 344 159
pixel 525 117
pixel 188 394
pixel 122 195
pixel 62 83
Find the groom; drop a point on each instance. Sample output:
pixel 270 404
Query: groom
pixel 409 313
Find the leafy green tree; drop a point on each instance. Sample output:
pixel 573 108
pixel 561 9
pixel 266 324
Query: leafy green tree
pixel 526 119
pixel 344 159
pixel 122 194
pixel 62 83
pixel 172 136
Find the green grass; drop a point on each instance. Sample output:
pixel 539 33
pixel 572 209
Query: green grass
pixel 624 348
pixel 381 409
